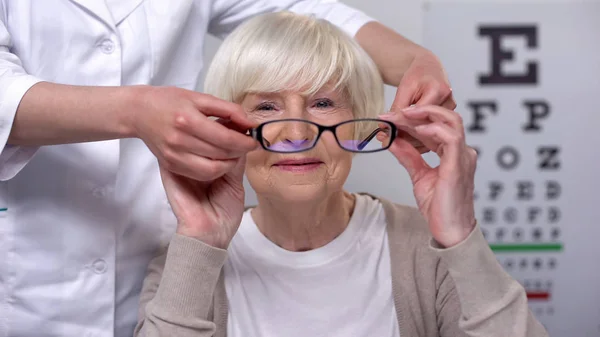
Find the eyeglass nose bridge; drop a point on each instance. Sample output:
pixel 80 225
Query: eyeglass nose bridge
pixel 325 128
pixel 320 130
pixel 297 145
pixel 300 131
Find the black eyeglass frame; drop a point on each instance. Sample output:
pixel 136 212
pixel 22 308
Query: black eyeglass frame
pixel 257 133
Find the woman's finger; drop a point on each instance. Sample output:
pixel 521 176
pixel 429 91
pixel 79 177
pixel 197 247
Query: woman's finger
pixel 414 142
pixel 399 119
pixel 417 144
pixel 435 114
pixel 175 187
pixel 406 128
pixel 409 157
pixel 197 167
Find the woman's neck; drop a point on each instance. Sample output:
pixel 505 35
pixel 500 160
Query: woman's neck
pixel 304 226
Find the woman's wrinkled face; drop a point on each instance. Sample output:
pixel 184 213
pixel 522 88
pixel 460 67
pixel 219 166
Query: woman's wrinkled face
pixel 303 176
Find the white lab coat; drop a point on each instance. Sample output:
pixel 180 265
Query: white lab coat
pixel 79 223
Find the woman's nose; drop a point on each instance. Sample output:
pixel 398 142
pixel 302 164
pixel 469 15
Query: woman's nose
pixel 297 131
pixel 296 108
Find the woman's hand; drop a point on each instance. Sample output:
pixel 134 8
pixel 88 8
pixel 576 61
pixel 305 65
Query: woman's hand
pixel 444 194
pixel 208 211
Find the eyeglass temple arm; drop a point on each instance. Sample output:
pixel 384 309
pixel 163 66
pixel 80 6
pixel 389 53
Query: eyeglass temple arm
pixel 366 141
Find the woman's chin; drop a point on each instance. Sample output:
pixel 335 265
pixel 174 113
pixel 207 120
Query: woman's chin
pixel 301 193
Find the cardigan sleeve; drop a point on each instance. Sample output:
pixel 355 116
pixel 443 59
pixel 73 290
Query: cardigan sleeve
pixel 177 293
pixel 490 302
pixel 447 304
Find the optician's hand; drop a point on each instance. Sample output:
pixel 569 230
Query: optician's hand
pixel 425 82
pixel 444 194
pixel 175 125
pixel 208 211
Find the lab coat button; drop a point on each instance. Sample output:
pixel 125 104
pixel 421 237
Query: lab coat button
pixel 99 192
pixel 107 46
pixel 99 266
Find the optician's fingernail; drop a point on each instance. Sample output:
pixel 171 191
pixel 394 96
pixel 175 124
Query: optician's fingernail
pixel 411 107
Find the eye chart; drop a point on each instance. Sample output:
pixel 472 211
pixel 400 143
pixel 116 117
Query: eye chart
pixel 526 77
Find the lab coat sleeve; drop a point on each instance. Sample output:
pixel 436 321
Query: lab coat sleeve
pixel 14 83
pixel 228 14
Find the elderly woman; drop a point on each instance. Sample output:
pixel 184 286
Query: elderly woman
pixel 312 259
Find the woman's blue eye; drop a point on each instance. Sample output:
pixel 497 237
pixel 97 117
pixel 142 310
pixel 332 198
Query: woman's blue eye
pixel 324 103
pixel 266 107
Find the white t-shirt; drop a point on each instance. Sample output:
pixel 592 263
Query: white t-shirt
pixel 343 289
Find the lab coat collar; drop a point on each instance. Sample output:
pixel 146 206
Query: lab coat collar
pixel 99 9
pixel 125 9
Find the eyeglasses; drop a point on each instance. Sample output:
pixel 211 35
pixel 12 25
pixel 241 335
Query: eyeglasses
pixel 298 135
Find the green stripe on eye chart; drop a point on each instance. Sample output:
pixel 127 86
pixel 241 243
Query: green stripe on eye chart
pixel 532 247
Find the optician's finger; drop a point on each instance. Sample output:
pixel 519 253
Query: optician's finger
pixel 435 93
pixel 409 157
pixel 451 144
pixel 212 106
pixel 217 134
pixel 183 142
pixel 226 136
pixel 449 103
pixel 435 114
pixel 405 95
pixel 231 125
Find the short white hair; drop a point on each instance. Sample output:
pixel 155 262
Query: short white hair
pixel 287 51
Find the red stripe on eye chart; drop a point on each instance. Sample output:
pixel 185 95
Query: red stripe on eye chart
pixel 542 296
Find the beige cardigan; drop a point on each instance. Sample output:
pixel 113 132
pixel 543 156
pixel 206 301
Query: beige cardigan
pixel 184 293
